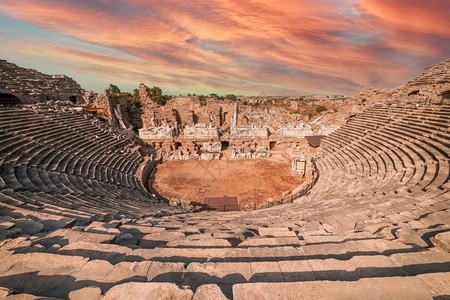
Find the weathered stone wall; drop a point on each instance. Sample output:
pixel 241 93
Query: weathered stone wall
pixel 298 131
pixel 115 109
pixel 211 147
pixel 327 130
pixel 250 132
pixel 31 86
pixel 181 111
pixel 201 131
pixel 157 133
pixel 251 122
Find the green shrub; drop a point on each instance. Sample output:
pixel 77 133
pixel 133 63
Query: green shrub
pixel 320 108
pixel 231 97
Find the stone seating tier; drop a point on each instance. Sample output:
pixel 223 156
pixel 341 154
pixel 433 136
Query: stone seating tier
pixel 77 224
pixel 55 164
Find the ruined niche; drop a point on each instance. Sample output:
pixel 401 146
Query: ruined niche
pixel 7 98
pixel 73 99
pixel 224 118
pixel 115 109
pixel 225 145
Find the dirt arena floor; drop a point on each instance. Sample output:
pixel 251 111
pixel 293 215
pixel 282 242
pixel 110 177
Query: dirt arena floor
pixel 250 180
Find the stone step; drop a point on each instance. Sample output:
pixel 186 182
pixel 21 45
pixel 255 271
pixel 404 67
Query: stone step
pixel 366 288
pixel 276 232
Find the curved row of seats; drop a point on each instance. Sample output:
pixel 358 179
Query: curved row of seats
pixel 363 231
pixel 293 251
pixel 409 149
pixel 59 159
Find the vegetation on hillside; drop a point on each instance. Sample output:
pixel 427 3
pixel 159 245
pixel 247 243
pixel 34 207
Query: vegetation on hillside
pixel 320 108
pixel 154 93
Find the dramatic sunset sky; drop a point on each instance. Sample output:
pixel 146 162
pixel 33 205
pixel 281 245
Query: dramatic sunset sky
pixel 245 47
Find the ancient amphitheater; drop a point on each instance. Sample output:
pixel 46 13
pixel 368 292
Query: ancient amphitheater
pixel 76 221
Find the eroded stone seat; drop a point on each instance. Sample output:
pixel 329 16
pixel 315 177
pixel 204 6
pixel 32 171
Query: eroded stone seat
pixel 77 223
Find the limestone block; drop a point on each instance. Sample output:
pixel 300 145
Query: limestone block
pixel 29 226
pixel 73 236
pixel 6 226
pixel 165 271
pixel 95 270
pixel 10 233
pixel 140 230
pixel 200 243
pixel 270 241
pixel 200 236
pixel 407 235
pixel 126 239
pixel 147 290
pixel 366 288
pixel 442 240
pixel 123 270
pixel 209 291
pixel 276 232
pixel 87 293
pixel 4 292
pixel 52 224
pixel 160 239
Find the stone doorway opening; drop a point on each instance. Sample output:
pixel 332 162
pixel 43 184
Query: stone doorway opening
pixel 225 145
pixel 7 99
pixel 446 95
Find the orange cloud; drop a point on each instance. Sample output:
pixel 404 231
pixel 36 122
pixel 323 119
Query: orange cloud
pixel 425 17
pixel 411 26
pixel 246 46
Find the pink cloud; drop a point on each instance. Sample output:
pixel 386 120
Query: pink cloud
pixel 243 46
pixel 422 17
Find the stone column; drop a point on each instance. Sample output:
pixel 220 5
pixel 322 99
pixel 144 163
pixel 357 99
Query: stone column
pixel 234 119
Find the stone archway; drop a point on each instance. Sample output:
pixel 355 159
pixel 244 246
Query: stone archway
pixel 7 99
